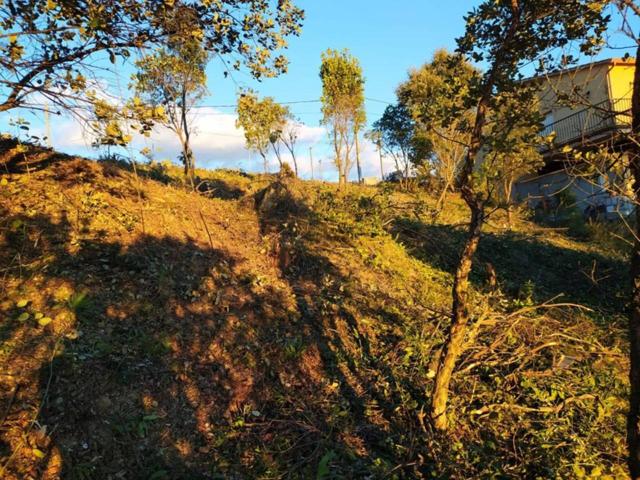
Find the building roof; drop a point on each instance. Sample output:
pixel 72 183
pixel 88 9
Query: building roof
pixel 630 61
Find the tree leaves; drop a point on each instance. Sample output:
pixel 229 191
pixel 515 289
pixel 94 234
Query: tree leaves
pixel 246 32
pixel 263 120
pixel 342 104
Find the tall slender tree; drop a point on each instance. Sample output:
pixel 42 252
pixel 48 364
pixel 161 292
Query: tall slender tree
pixel 626 8
pixel 343 107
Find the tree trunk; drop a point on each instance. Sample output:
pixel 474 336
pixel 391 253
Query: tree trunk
pixel 633 419
pixel 342 180
pixel 276 150
pixel 189 168
pixel 264 161
pixel 290 145
pixel 455 341
pixel 337 147
pixel 460 294
pixel 381 167
pixel 454 344
pixel 346 165
pixel 441 198
pixel 358 158
pixel 508 189
pixel 187 155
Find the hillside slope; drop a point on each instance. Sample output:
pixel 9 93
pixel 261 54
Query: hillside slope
pixel 274 329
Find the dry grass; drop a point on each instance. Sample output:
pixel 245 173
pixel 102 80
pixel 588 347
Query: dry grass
pixel 272 326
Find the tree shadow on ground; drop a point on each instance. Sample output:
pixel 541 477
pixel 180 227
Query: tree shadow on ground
pixel 525 267
pixel 23 157
pixel 373 423
pixel 165 359
pixel 216 188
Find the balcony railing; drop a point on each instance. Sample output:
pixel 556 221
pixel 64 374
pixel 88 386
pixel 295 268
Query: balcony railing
pixel 591 124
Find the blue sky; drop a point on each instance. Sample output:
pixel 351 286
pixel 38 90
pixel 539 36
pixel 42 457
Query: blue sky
pixel 387 37
pixel 387 40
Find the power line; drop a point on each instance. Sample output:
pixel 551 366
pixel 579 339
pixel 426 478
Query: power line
pixel 292 102
pixel 220 114
pixel 281 103
pixel 378 101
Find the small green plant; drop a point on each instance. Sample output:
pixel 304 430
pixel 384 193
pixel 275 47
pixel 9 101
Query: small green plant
pixel 323 470
pixel 80 303
pixel 525 297
pixel 294 348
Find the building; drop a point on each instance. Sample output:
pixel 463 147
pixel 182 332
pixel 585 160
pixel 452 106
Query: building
pixel 587 108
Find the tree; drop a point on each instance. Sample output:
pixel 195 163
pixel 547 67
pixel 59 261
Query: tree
pixel 505 35
pixel 441 90
pixel 289 138
pixel 175 79
pixel 437 95
pixel 515 152
pixel 343 107
pixel 375 137
pixel 399 138
pixel 53 49
pixel 263 122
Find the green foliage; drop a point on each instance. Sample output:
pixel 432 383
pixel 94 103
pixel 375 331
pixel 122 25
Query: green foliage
pixel 538 30
pixel 512 145
pixel 563 213
pixel 440 91
pixel 262 121
pixel 113 124
pixel 312 327
pixel 167 76
pixel 437 95
pixel 353 214
pixel 52 47
pixel 440 96
pixel 342 87
pixel 173 79
pixel 398 135
pixel 323 471
pixel 342 105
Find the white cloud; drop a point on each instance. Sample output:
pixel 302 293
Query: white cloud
pixel 215 140
pixel 217 143
pixel 370 161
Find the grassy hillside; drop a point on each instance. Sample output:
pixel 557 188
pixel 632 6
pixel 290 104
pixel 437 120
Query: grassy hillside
pixel 275 329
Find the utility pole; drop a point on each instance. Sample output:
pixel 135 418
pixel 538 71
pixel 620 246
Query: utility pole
pixel 311 160
pixel 380 154
pixel 358 158
pixel 47 126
